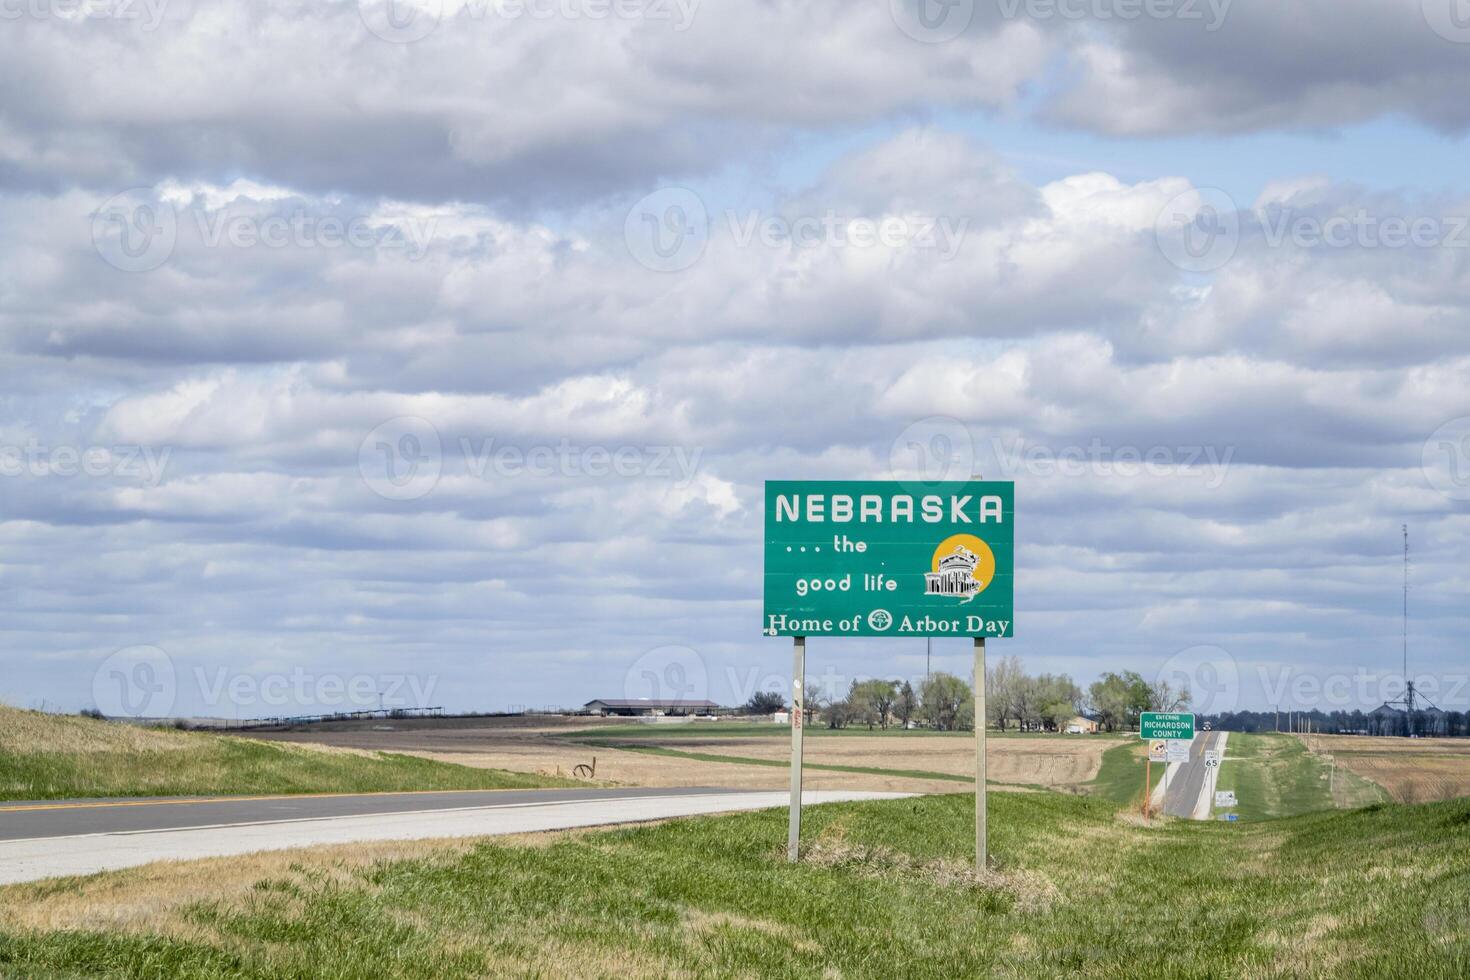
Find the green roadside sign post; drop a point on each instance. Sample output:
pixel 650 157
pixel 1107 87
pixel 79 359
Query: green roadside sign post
pixel 1161 725
pixel 888 559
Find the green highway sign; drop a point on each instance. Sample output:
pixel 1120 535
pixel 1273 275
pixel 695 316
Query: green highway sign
pixel 875 558
pixel 1166 724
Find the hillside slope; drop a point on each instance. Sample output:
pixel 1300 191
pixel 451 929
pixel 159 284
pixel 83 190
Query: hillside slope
pixel 47 757
pixel 1081 889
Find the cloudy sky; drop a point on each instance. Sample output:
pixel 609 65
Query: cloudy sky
pixel 437 351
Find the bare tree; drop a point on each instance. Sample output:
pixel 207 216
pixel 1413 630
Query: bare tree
pixel 1162 697
pixel 1000 691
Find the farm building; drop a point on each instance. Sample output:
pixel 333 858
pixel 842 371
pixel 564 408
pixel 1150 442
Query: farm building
pixel 1080 725
pixel 649 706
pixel 1389 720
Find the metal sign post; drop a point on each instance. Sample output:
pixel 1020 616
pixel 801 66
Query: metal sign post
pixel 980 800
pixel 1158 751
pixel 798 722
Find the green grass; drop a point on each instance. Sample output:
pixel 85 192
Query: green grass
pixel 1081 890
pixel 48 757
pixel 746 760
pixel 1120 774
pixel 1273 775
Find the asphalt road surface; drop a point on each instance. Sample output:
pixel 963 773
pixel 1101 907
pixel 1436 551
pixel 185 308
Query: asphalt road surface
pixel 53 838
pixel 1189 780
pixel 66 818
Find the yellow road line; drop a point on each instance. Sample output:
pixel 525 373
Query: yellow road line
pixel 234 799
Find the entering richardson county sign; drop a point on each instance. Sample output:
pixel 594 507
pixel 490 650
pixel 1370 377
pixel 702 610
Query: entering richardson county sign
pixel 1165 724
pixel 862 558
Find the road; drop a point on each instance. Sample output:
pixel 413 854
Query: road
pixel 1190 782
pixel 47 839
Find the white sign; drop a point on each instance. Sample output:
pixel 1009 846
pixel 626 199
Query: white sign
pixel 1212 759
pixel 1225 797
pixel 1158 750
pixel 1178 750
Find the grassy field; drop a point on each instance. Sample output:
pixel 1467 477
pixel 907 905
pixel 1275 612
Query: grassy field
pixel 779 764
pixel 744 729
pixel 1080 889
pixel 1120 777
pixel 737 755
pixel 1274 775
pixel 46 757
pixel 1408 770
pixel 1032 760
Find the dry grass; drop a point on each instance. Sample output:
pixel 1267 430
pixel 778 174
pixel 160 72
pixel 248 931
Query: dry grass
pixel 1059 762
pixel 885 889
pixel 642 769
pixel 1409 770
pixel 48 756
pixel 24 732
pixel 27 732
pixel 1051 762
pixel 151 898
pixel 1027 891
pixel 162 900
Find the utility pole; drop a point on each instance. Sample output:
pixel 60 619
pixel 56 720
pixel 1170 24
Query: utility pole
pixel 928 650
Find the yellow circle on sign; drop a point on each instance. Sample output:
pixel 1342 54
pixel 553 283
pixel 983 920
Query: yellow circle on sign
pixel 961 544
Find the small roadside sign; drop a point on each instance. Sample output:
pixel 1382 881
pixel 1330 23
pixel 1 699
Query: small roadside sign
pixel 1158 750
pixel 1212 759
pixel 1166 724
pixel 1225 797
pixel 1178 750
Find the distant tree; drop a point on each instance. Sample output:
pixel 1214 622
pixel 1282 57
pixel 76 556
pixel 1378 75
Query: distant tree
pixel 941 699
pixel 1060 699
pixel 94 714
pixel 1059 713
pixel 815 704
pixel 763 703
pixel 907 704
pixel 1028 700
pixel 838 712
pixel 1013 696
pixel 875 699
pixel 1162 697
pixel 1001 691
pixel 965 717
pixel 1118 699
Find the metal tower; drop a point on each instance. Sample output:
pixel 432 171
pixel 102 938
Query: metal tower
pixel 1411 696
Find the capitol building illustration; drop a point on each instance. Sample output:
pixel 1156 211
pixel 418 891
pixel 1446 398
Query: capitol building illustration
pixel 956 575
